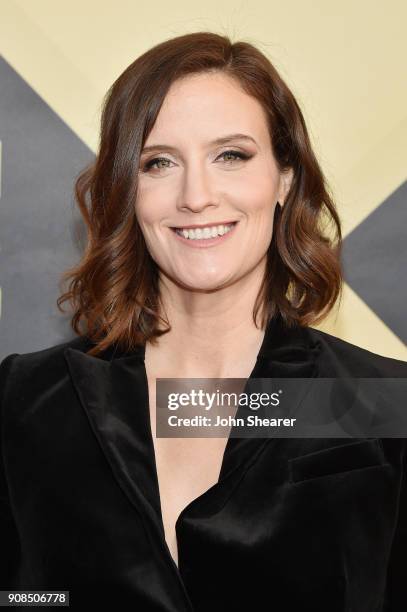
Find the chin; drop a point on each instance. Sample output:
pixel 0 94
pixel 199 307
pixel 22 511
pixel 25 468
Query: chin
pixel 202 284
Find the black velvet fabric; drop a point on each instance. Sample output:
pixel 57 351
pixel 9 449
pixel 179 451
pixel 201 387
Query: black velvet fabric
pixel 291 525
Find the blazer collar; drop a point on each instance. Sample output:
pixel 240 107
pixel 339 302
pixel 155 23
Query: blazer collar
pixel 292 351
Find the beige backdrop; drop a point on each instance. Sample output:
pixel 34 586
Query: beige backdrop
pixel 344 61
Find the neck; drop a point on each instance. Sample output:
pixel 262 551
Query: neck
pixel 212 335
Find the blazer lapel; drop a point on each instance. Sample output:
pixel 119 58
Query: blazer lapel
pixel 285 353
pixel 113 395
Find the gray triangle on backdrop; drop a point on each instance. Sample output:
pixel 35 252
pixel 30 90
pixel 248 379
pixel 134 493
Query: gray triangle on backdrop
pixel 375 261
pixel 39 226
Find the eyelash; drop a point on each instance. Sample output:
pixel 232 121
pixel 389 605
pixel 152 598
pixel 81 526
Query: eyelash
pixel 241 156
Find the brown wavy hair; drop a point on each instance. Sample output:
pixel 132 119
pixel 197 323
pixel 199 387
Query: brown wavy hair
pixel 113 290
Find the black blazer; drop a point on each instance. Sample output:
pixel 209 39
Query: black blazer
pixel 293 524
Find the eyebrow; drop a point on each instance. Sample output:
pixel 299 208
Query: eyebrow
pixel 217 141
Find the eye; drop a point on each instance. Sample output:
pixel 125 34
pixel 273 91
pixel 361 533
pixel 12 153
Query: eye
pixel 237 155
pixel 151 163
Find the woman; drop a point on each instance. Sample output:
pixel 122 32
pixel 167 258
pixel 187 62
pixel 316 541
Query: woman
pixel 198 133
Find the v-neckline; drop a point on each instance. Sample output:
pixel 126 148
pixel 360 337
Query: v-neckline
pixel 154 462
pixel 208 493
pixel 231 442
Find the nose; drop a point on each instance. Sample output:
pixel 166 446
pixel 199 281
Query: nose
pixel 198 190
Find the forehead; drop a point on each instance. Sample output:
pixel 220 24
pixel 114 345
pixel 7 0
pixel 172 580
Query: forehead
pixel 208 105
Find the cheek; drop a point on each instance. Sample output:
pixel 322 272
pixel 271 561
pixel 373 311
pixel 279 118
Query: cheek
pixel 259 206
pixel 154 202
pixel 147 211
pixel 257 192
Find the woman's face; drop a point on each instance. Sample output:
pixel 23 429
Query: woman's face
pixel 190 179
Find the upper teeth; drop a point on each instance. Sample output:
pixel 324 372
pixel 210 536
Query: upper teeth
pixel 205 232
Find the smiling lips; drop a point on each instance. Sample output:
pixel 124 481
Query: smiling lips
pixel 206 232
pixel 203 225
pixel 207 235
